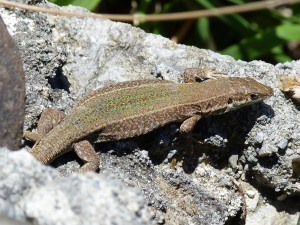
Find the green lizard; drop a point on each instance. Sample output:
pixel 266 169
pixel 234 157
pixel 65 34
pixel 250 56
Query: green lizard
pixel 134 108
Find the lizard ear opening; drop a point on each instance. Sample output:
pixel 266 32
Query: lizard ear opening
pixel 229 101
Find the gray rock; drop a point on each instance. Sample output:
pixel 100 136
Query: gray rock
pixel 30 191
pixel 260 211
pixel 200 198
pixel 267 214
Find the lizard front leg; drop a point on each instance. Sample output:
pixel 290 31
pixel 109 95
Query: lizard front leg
pixel 188 125
pixel 185 129
pixel 195 74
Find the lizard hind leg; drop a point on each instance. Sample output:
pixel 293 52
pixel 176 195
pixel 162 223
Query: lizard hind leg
pixel 49 119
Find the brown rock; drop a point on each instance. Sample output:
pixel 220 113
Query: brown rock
pixel 12 91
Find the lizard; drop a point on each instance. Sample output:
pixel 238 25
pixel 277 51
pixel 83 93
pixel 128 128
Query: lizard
pixel 133 108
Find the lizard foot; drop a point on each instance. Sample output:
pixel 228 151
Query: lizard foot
pixel 87 153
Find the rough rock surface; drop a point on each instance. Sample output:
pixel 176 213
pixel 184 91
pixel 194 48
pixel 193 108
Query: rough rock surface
pixel 31 192
pixel 65 58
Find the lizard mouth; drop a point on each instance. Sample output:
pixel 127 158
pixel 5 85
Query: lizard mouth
pixel 236 104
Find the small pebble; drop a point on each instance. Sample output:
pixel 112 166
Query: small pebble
pixel 259 138
pixel 144 154
pixel 289 152
pixel 226 182
pixel 250 193
pixel 171 154
pixel 233 160
pixel 277 189
pixel 264 151
pixel 252 159
pixel 229 170
pixel 282 144
pixel 201 172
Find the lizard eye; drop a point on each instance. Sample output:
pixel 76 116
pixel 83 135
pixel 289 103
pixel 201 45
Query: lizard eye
pixel 254 96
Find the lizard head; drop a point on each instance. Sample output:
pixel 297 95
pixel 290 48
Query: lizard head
pixel 245 91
